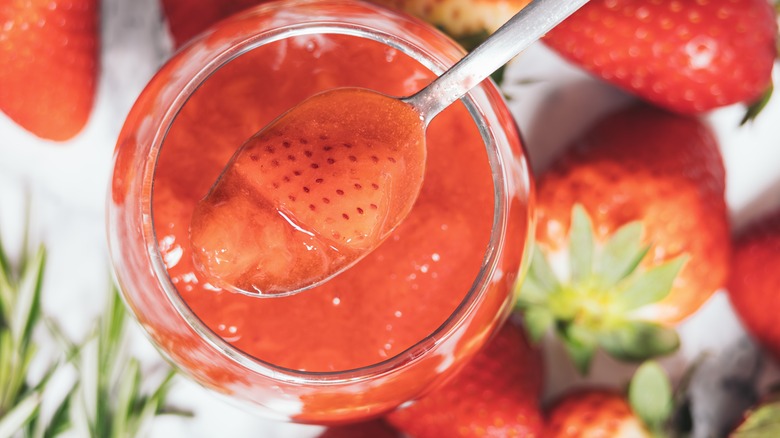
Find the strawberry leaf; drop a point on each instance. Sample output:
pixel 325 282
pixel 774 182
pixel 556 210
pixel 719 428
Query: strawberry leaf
pixel 650 395
pixel 538 320
pixel 581 345
pixel 542 272
pixel 539 283
pixel 621 254
pixel 636 341
pixel 531 293
pixel 581 246
pixel 651 286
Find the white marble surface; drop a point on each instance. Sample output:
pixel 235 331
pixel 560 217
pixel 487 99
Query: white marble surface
pixel 552 101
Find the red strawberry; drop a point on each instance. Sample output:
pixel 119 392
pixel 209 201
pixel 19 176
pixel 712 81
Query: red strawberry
pixel 495 395
pixel 187 18
pixel 639 199
pixel 686 56
pixel 368 429
pixel 594 413
pixel 48 53
pixel 312 193
pixel 603 413
pixel 754 286
pixel 462 20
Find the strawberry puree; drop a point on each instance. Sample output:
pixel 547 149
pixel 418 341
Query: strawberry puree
pixel 397 295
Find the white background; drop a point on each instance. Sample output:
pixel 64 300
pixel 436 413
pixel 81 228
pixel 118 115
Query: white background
pixel 552 101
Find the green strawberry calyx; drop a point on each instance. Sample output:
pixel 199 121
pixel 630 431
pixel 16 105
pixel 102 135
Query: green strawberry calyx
pixel 598 302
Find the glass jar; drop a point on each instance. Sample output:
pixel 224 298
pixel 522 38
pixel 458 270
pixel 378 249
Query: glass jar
pixel 302 360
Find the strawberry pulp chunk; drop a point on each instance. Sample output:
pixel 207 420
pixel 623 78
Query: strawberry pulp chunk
pixel 311 194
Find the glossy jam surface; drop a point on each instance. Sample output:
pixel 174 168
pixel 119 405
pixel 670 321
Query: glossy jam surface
pixel 311 193
pixel 391 299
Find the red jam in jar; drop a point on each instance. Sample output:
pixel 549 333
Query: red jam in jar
pixel 400 320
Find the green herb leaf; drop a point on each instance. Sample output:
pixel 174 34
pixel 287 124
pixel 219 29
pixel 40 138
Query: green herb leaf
pixel 651 286
pixel 127 397
pixel 7 292
pixel 9 382
pixel 20 290
pixel 650 395
pixel 5 265
pixel 60 420
pixel 109 401
pixel 28 307
pixel 24 412
pixel 581 245
pixel 154 405
pixel 637 341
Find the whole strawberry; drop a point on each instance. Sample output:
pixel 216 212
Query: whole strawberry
pixel 754 286
pixel 49 59
pixel 459 19
pixel 686 56
pixel 637 210
pixel 604 413
pixel 592 413
pixel 470 22
pixel 187 18
pixel 495 395
pixel 367 429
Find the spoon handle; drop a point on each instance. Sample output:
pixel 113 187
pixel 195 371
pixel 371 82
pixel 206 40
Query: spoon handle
pixel 527 26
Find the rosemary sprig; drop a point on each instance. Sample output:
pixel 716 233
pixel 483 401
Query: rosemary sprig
pixel 20 314
pixel 109 401
pixel 106 401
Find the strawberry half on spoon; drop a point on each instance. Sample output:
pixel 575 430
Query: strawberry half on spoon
pixel 311 194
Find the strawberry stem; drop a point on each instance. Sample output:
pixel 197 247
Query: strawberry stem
pixel 755 108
